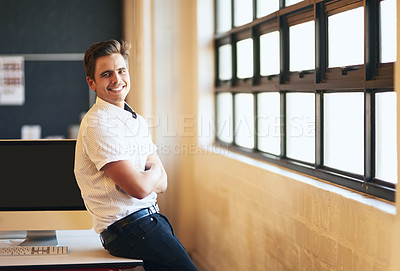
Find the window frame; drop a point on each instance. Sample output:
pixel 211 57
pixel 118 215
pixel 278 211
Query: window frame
pixel 368 78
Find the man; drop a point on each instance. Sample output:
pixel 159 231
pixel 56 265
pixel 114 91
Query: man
pixel 118 170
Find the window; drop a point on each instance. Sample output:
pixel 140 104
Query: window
pixel 344 131
pixel 269 54
pixel 302 46
pixel 269 122
pixel 266 7
pixel 244 120
pixel 388 31
pixel 300 126
pixel 224 117
pixel 309 86
pixel 243 12
pixel 346 38
pixel 244 49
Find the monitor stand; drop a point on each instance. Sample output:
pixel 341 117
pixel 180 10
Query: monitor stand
pixel 12 234
pixel 40 238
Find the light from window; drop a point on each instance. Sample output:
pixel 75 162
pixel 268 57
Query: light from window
pixel 245 58
pixel 344 131
pixel 224 15
pixel 269 54
pixel 388 31
pixel 266 7
pixel 243 10
pixel 386 136
pixel 225 62
pixel 225 117
pixel 300 126
pixel 346 38
pixel 302 46
pixel 244 120
pixel 269 119
pixel 292 2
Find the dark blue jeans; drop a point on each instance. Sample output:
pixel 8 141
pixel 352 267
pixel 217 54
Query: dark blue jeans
pixel 152 240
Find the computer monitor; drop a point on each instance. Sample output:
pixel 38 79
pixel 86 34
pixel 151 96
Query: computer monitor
pixel 39 193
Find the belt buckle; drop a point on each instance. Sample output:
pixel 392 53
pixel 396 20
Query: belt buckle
pixel 154 209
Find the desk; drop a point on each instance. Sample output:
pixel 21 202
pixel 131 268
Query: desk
pixel 85 251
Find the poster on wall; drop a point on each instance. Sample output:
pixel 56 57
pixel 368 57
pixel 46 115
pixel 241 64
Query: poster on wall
pixel 12 83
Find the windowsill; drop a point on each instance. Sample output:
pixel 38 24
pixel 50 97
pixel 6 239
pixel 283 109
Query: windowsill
pixel 373 202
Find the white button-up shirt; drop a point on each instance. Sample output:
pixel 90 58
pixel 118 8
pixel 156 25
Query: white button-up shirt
pixel 107 134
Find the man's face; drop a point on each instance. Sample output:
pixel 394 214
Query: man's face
pixel 111 79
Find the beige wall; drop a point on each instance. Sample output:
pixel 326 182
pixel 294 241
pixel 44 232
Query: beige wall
pixel 252 219
pixel 231 214
pixel 164 91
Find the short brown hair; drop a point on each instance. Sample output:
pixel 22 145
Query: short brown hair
pixel 103 48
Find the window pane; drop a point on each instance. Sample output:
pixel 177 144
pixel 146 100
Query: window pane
pixel 244 120
pixel 224 15
pixel 245 58
pixel 269 122
pixel 302 46
pixel 225 62
pixel 269 54
pixel 300 122
pixel 388 31
pixel 224 117
pixel 292 2
pixel 386 136
pixel 344 131
pixel 243 12
pixel 266 7
pixel 346 38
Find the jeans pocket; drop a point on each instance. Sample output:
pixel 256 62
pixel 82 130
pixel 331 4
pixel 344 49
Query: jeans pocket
pixel 146 225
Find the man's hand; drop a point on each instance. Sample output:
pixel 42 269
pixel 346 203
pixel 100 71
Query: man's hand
pixel 135 183
pixel 154 163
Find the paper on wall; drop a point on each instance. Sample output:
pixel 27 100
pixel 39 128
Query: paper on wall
pixel 12 82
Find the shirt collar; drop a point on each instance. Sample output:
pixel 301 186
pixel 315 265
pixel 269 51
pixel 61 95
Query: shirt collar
pixel 127 110
pixel 130 110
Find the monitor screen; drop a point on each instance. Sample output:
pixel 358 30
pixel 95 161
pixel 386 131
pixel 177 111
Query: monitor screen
pixel 38 175
pixel 39 190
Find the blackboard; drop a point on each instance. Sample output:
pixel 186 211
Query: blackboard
pixel 56 92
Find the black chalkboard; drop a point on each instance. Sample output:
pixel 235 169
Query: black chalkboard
pixel 57 26
pixel 56 92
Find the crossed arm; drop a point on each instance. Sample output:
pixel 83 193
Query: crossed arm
pixel 136 183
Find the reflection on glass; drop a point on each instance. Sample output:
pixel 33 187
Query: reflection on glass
pixel 302 46
pixel 386 136
pixel 243 12
pixel 292 2
pixel 225 62
pixel 300 122
pixel 245 58
pixel 244 120
pixel 266 7
pixel 346 38
pixel 388 31
pixel 224 117
pixel 269 122
pixel 224 15
pixel 269 53
pixel 344 131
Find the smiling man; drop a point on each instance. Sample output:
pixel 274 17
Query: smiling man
pixel 118 170
pixel 111 82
